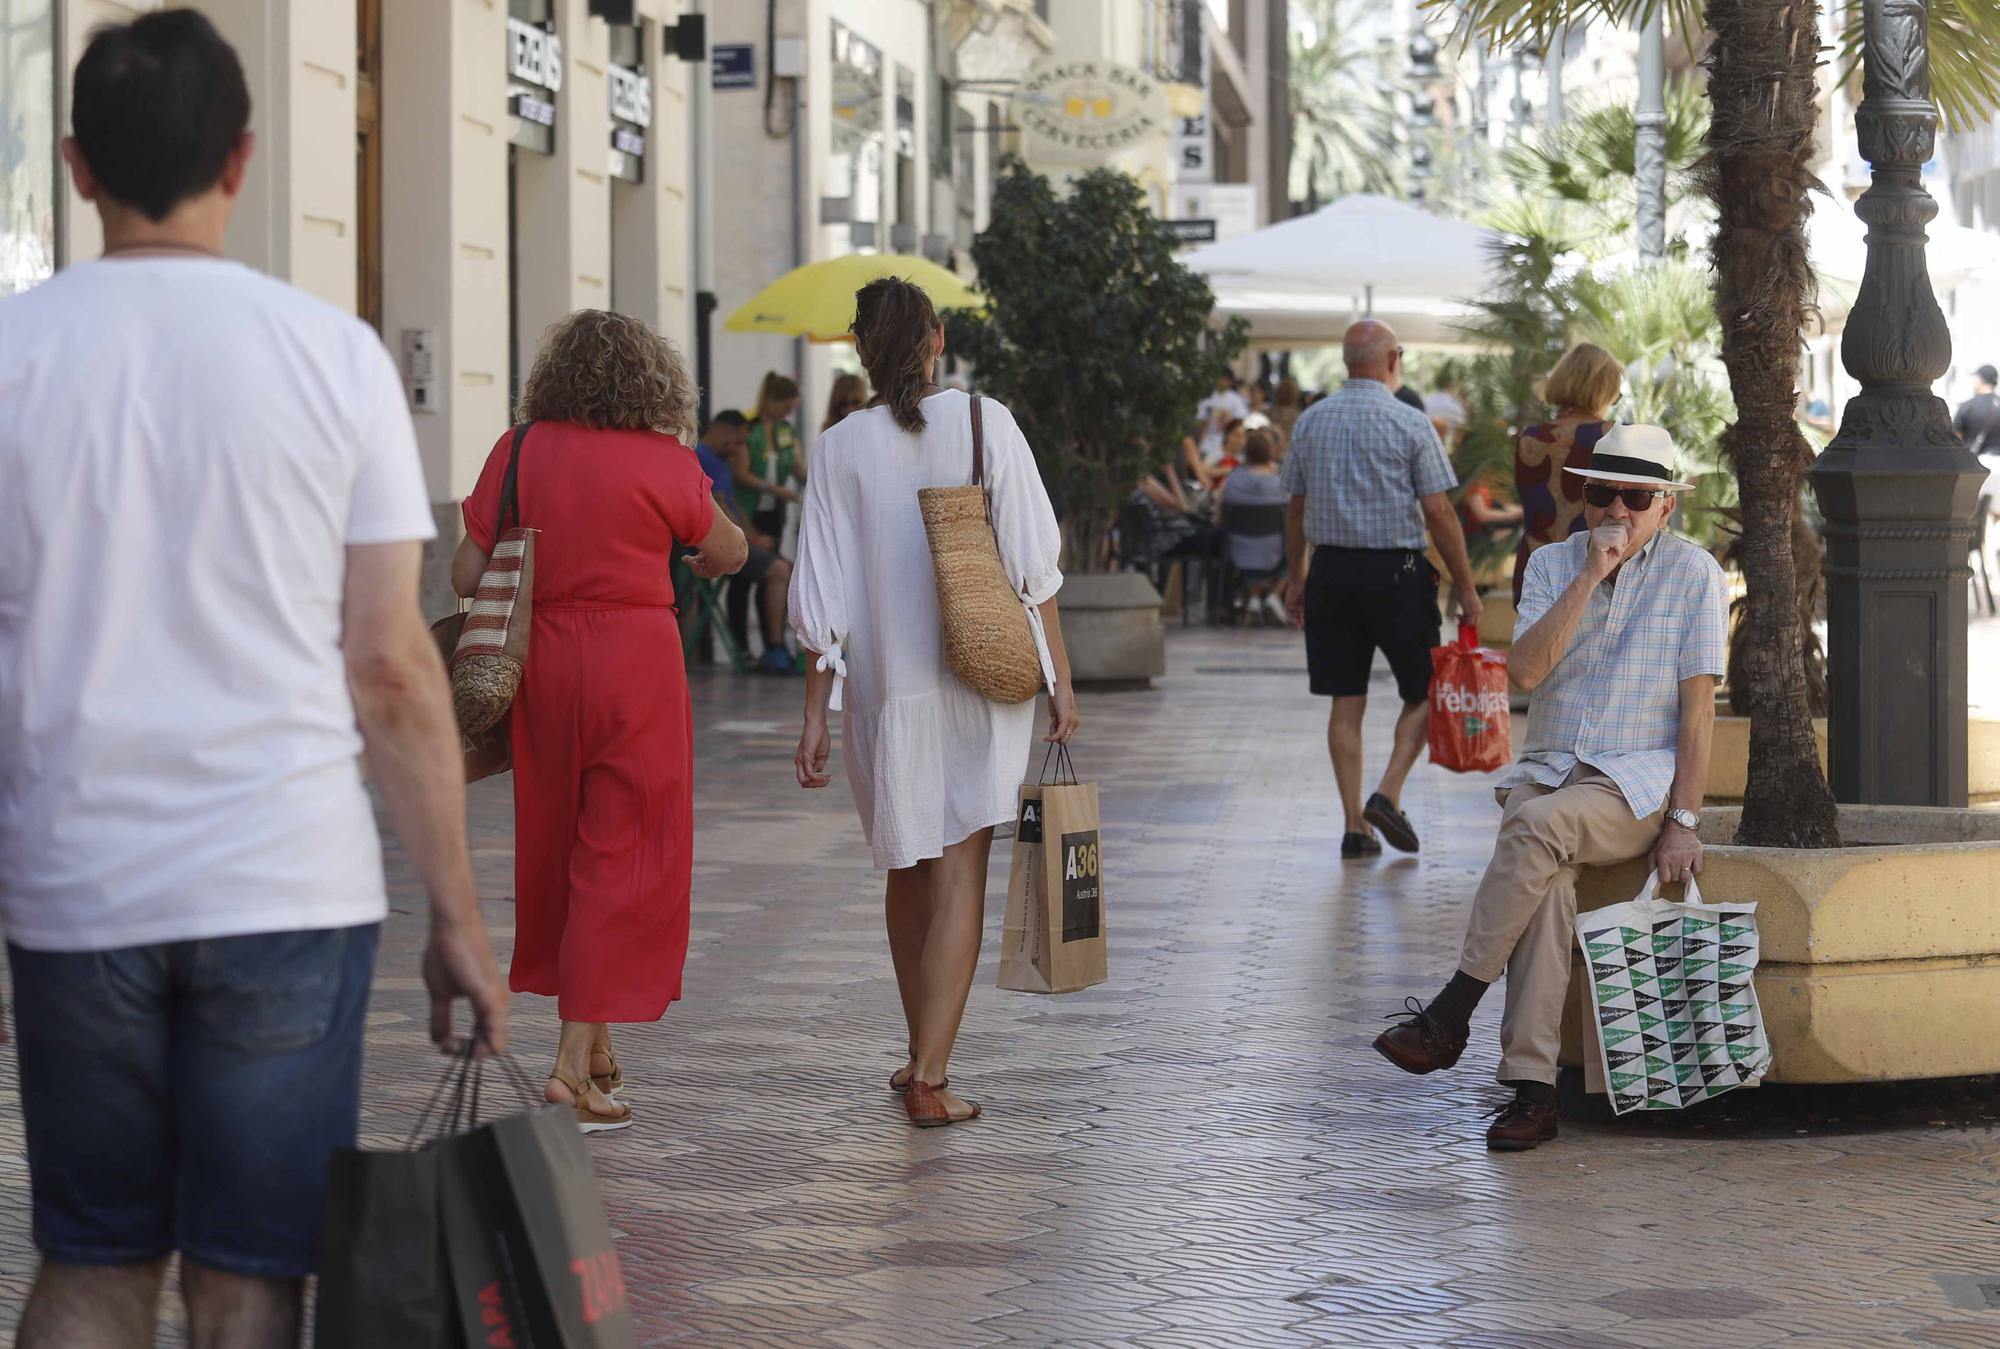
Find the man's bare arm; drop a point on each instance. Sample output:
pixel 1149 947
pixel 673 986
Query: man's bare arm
pixel 402 705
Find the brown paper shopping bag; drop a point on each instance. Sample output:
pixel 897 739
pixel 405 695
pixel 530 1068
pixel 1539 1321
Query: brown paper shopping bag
pixel 1052 940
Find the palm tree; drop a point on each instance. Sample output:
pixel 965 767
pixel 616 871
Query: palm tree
pixel 1762 60
pixel 1343 110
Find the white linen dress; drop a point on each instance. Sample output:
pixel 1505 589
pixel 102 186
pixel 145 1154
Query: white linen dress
pixel 930 761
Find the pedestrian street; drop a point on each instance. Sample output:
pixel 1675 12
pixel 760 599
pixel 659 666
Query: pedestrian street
pixel 1202 1151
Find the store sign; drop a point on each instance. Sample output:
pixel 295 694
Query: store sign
pixel 631 96
pixel 733 65
pixel 534 54
pixel 627 141
pixel 531 109
pixel 1087 112
pixel 1192 231
pixel 1193 145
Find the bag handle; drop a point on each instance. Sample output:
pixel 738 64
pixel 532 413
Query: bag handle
pixel 1065 769
pixel 978 445
pixel 1468 636
pixel 1690 892
pixel 510 491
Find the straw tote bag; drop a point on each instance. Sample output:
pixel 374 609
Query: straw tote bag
pixel 987 640
pixel 487 646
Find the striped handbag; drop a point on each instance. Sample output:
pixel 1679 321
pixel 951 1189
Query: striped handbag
pixel 488 644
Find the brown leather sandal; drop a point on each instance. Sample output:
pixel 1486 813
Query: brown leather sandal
pixel 906 1074
pixel 927 1109
pixel 591 1121
pixel 613 1082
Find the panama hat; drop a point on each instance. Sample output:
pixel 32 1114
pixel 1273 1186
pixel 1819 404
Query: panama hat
pixel 1643 454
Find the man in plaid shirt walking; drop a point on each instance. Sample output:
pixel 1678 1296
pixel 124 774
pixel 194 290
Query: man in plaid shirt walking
pixel 1621 641
pixel 1368 477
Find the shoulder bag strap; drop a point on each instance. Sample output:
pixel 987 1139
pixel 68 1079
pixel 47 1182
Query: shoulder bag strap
pixel 510 492
pixel 978 446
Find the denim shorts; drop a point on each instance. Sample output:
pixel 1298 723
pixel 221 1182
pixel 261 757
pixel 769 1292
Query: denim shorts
pixel 185 1096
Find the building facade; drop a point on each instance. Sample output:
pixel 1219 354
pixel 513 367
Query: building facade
pixel 880 126
pixel 461 173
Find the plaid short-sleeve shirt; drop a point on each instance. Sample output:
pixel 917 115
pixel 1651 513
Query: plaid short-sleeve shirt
pixel 1613 701
pixel 1361 459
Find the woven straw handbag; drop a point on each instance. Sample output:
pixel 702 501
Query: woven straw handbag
pixel 489 642
pixel 987 641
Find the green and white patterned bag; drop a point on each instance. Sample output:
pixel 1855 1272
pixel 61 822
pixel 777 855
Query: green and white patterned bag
pixel 1676 1006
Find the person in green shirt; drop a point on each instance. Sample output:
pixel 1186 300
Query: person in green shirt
pixel 770 458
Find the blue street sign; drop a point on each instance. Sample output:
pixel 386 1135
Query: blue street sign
pixel 734 65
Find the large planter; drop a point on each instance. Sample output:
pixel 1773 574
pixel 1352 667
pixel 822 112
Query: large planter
pixel 1111 628
pixel 1729 758
pixel 1880 960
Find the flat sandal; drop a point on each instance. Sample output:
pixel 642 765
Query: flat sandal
pixel 927 1109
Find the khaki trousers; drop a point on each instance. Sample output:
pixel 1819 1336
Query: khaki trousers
pixel 1524 912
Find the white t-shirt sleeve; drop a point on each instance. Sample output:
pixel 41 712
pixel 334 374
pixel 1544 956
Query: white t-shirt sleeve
pixel 389 502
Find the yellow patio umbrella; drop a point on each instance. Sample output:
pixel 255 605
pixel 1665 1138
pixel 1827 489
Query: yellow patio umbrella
pixel 817 300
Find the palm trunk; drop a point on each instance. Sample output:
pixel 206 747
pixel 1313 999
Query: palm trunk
pixel 1758 172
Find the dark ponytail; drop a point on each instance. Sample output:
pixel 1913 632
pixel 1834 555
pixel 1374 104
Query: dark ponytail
pixel 894 328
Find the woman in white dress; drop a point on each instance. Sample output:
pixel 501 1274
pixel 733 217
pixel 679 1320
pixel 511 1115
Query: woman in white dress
pixel 934 766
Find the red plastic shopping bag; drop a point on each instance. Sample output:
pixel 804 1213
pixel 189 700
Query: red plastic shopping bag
pixel 1471 729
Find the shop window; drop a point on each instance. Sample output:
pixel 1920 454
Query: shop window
pixel 28 197
pixel 857 151
pixel 905 219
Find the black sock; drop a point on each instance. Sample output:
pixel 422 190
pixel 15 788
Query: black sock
pixel 1454 1005
pixel 1533 1093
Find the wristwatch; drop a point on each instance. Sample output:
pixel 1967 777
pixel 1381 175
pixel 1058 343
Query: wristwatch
pixel 1687 819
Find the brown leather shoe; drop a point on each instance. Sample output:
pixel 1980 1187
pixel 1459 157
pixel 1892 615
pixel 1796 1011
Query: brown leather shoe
pixel 1422 1044
pixel 927 1109
pixel 1522 1126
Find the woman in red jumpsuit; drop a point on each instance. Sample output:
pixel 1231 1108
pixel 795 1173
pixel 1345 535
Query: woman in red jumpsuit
pixel 601 729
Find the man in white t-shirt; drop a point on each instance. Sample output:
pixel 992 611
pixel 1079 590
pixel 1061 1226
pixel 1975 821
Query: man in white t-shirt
pixel 210 537
pixel 1216 411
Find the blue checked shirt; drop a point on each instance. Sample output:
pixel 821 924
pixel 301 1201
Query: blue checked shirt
pixel 1361 460
pixel 1614 701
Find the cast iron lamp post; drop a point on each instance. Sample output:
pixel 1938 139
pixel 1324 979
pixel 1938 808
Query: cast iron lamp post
pixel 1897 488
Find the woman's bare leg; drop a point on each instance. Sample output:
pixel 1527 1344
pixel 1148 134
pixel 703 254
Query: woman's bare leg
pixel 951 952
pixel 573 1065
pixel 908 907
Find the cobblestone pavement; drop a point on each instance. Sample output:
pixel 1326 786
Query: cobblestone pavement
pixel 1202 1152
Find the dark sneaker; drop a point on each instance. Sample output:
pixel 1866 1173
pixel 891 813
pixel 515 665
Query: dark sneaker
pixel 1394 824
pixel 1421 1044
pixel 1522 1126
pixel 1359 845
pixel 777 661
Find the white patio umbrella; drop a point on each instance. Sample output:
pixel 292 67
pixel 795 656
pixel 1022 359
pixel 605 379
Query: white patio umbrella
pixel 1305 279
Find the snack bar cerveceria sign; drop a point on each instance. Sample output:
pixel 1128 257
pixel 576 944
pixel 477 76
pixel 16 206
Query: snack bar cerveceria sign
pixel 1086 112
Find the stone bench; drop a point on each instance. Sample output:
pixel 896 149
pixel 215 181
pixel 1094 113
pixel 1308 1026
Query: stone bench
pixel 1880 962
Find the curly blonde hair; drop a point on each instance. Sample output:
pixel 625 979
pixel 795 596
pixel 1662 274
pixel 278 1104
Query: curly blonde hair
pixel 606 370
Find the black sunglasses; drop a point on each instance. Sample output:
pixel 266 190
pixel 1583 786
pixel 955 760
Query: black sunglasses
pixel 1636 498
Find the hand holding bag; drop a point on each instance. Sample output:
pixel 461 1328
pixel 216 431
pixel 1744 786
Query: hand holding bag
pixel 988 641
pixel 1673 1000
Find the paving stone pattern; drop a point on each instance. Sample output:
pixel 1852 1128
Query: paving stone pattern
pixel 1202 1152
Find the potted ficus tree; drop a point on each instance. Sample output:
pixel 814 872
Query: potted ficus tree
pixel 1101 344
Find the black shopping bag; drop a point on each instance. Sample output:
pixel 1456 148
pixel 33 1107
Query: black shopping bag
pixel 382 1274
pixel 486 1290
pixel 557 1237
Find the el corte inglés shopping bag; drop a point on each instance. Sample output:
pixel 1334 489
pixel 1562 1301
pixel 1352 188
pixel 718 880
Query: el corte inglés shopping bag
pixel 1673 999
pixel 1053 937
pixel 1471 726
